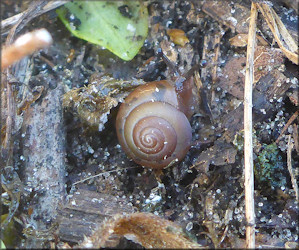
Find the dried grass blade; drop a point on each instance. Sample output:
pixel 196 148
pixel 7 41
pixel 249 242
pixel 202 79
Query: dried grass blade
pixel 248 148
pixel 283 38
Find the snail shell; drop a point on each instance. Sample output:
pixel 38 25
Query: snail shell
pixel 151 128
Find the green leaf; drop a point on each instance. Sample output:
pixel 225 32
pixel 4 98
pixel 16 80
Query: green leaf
pixel 2 246
pixel 119 26
pixel 9 234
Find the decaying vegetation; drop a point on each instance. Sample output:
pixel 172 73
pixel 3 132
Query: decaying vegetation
pixel 66 182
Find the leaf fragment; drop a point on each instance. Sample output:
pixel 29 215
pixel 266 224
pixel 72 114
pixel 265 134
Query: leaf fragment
pixel 119 26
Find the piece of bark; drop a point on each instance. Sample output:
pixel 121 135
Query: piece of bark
pixel 235 17
pixel 241 40
pixel 267 60
pixel 294 96
pixel 44 160
pixel 85 210
pixel 220 154
pixel 271 89
pixel 268 92
pixel 211 54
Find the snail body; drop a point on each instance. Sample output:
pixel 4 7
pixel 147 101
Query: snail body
pixel 152 124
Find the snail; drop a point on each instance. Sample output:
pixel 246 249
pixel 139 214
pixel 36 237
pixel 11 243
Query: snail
pixel 153 125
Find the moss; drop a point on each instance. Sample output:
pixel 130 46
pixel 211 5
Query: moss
pixel 269 167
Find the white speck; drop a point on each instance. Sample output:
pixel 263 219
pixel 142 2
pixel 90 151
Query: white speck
pixel 157 198
pixel 88 244
pixel 218 191
pixel 131 28
pixel 189 226
pixel 232 20
pixel 168 23
pixel 94 89
pixel 165 142
pixel 22 158
pixel 260 204
pixel 157 89
pixel 294 80
pixel 90 150
pixel 74 203
pixel 263 111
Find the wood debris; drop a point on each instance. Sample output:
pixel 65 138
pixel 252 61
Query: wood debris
pixel 149 230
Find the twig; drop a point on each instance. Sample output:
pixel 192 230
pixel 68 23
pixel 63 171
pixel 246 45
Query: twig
pixel 7 23
pixel 289 163
pixel 217 39
pixel 97 175
pixel 25 45
pixel 223 236
pixel 215 58
pixel 293 117
pixel 203 57
pixel 295 136
pixel 248 148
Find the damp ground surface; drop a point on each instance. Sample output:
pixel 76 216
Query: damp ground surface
pixel 204 193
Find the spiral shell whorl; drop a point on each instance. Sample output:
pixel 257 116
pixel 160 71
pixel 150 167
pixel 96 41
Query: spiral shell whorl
pixel 153 123
pixel 154 136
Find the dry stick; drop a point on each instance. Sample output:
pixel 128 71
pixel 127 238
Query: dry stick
pixel 215 58
pixel 289 163
pixel 293 117
pixel 204 52
pixel 217 39
pixel 97 175
pixel 295 136
pixel 7 23
pixel 6 146
pixel 248 148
